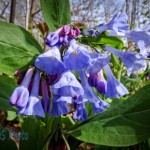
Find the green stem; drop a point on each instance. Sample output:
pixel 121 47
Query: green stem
pixel 85 144
pixel 65 140
pixel 120 71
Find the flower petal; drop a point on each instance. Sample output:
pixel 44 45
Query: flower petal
pixel 50 62
pixel 76 57
pixel 59 106
pixel 115 89
pixel 67 85
pixel 132 60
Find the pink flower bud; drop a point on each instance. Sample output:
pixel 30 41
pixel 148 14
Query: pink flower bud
pixel 72 33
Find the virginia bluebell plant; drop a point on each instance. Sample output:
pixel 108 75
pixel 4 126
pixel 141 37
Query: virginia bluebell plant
pixel 52 84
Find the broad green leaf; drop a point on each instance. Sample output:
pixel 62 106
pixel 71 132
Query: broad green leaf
pixel 103 39
pixel 38 132
pixel 11 115
pixel 5 140
pixel 31 128
pixel 4 105
pixel 56 13
pixel 18 48
pixel 46 131
pixel 7 85
pixel 121 125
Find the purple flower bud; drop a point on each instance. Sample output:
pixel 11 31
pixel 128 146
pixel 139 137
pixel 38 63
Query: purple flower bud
pixel 65 40
pixel 148 76
pixel 19 73
pixel 92 79
pixel 72 33
pixel 52 39
pixel 59 31
pixel 19 80
pixel 77 30
pixel 20 95
pixel 101 87
pixel 101 83
pixel 89 94
pixel 66 29
pixel 45 91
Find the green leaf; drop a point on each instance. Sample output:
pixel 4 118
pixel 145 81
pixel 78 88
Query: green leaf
pixel 103 39
pixel 46 132
pixel 67 121
pixel 31 128
pixel 121 125
pixel 56 13
pixel 38 132
pixel 115 61
pixel 18 48
pixel 11 115
pixel 7 86
pixel 5 140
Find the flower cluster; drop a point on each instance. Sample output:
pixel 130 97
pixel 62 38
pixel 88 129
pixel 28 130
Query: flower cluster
pixel 118 26
pixel 59 71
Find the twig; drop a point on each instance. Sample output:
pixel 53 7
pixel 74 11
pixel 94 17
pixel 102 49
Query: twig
pixel 93 47
pixel 27 14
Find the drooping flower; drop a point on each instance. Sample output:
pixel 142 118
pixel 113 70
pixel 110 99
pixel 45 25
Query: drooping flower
pixel 45 91
pixel 141 37
pixel 77 57
pixel 99 106
pixel 90 96
pixel 115 89
pixel 80 112
pixel 67 85
pixel 59 105
pixel 132 60
pixel 118 24
pixel 34 105
pixel 50 62
pixel 101 83
pixel 64 40
pixel 97 62
pixel 20 95
pixel 97 80
pixel 88 91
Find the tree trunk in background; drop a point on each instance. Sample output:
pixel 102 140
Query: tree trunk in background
pixel 133 13
pixel 128 10
pixel 27 14
pixel 12 11
pixel 106 10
